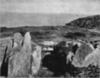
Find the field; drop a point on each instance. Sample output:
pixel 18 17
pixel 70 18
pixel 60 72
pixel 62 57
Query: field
pixel 57 34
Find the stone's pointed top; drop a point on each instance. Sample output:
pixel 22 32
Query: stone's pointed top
pixel 27 38
pixel 17 40
pixel 27 42
pixel 27 33
pixel 17 37
pixel 90 45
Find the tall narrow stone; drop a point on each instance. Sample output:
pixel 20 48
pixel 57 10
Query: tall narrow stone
pixel 25 62
pixel 4 42
pixel 36 54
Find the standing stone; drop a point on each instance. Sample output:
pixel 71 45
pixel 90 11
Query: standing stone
pixel 36 56
pixel 4 42
pixel 20 62
pixel 81 53
pixel 4 66
pixel 25 60
pixel 8 42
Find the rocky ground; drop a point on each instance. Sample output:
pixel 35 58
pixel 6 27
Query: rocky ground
pixel 80 29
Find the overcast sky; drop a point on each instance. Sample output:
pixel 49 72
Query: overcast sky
pixel 51 6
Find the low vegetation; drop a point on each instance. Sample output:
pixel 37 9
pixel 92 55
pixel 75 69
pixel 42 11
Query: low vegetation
pixel 77 29
pixel 86 22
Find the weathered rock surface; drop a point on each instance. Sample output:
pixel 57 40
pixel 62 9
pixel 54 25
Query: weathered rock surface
pixel 92 59
pixel 20 62
pixel 25 62
pixel 8 42
pixel 81 54
pixel 36 56
pixel 17 40
pixel 4 42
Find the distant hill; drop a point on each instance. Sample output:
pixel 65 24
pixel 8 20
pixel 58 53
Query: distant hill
pixel 11 19
pixel 86 22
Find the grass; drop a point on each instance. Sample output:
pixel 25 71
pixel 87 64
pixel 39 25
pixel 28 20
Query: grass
pixel 40 34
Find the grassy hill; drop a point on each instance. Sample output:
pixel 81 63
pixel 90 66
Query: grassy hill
pixel 86 22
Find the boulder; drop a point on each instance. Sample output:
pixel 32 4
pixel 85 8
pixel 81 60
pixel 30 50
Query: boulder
pixel 92 58
pixel 81 54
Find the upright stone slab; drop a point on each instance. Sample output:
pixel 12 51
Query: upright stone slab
pixel 4 42
pixel 20 62
pixel 36 57
pixel 26 59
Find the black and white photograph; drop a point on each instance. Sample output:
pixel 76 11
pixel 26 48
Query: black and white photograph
pixel 49 38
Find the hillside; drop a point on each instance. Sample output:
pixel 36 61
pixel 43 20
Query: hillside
pixel 86 22
pixel 59 34
pixel 55 33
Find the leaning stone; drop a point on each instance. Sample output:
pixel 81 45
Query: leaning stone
pixel 92 59
pixel 82 52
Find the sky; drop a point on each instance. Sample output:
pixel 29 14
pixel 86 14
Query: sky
pixel 89 7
